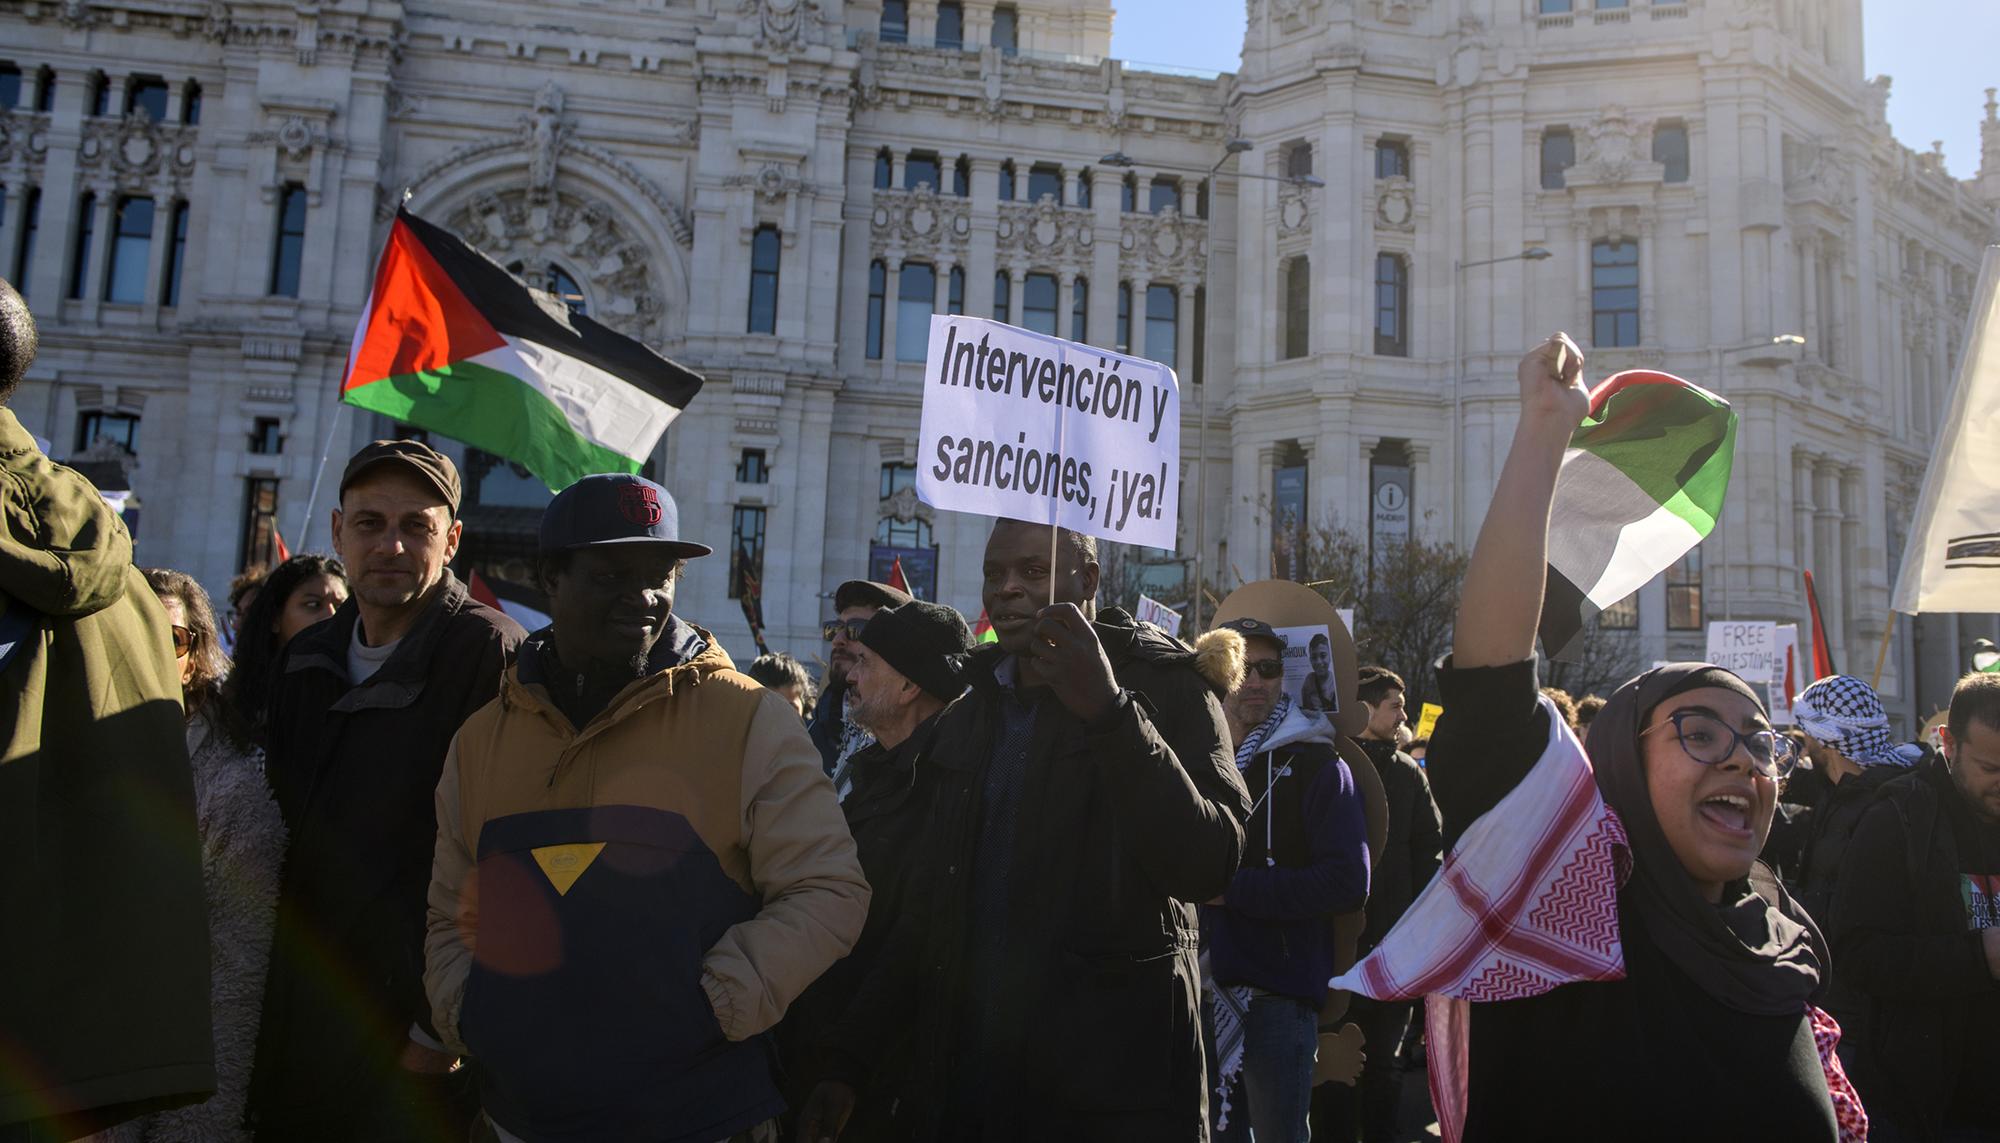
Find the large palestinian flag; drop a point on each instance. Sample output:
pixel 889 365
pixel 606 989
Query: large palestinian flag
pixel 1641 484
pixel 453 343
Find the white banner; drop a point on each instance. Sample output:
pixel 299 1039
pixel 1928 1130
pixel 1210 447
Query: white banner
pixel 1785 675
pixel 1031 427
pixel 1951 561
pixel 1745 647
pixel 1159 615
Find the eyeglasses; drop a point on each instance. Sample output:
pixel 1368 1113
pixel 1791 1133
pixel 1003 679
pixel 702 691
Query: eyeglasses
pixel 183 641
pixel 835 628
pixel 1709 741
pixel 1266 668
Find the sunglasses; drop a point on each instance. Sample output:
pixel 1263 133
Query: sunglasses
pixel 183 641
pixel 835 628
pixel 1709 741
pixel 1266 668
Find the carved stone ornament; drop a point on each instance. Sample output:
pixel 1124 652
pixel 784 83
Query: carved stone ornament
pixel 783 24
pixel 134 149
pixel 772 183
pixel 1163 247
pixel 23 133
pixel 1611 149
pixel 1044 230
pixel 1399 11
pixel 918 223
pixel 544 132
pixel 1294 212
pixel 902 506
pixel 1293 15
pixel 586 238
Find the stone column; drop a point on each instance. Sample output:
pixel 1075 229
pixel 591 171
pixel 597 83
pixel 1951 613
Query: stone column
pixel 1065 295
pixel 1857 587
pixel 1826 554
pixel 891 294
pixel 1184 333
pixel 1017 291
pixel 1809 297
pixel 1649 309
pixel 100 250
pixel 1140 287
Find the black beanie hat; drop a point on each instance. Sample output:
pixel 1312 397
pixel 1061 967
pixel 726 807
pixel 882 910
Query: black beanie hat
pixel 925 642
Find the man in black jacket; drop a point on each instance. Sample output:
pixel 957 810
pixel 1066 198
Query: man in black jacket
pixel 1847 737
pixel 1915 927
pixel 838 737
pixel 362 711
pixel 1086 797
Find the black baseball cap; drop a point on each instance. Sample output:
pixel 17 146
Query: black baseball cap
pixel 1254 629
pixel 415 457
pixel 615 508
pixel 867 593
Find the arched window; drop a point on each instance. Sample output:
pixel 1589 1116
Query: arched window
pixel 919 168
pixel 1614 293
pixel 1128 193
pixel 1165 195
pixel 961 177
pixel 1083 187
pixel 147 93
pixel 916 298
pixel 885 169
pixel 1163 319
pixel 131 247
pixel 1392 306
pixel 878 286
pixel 1298 307
pixel 1006 187
pixel 288 250
pixel 1045 179
pixel 765 247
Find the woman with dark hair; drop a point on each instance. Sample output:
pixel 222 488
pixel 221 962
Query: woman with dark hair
pixel 1610 959
pixel 242 843
pixel 300 592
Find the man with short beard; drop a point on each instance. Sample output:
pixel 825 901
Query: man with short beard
pixel 639 843
pixel 363 707
pixel 838 736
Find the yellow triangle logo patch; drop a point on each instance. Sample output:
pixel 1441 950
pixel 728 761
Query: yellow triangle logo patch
pixel 563 864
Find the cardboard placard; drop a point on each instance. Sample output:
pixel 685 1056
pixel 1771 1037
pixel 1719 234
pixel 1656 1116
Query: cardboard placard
pixel 1030 427
pixel 1427 720
pixel 1746 647
pixel 1785 675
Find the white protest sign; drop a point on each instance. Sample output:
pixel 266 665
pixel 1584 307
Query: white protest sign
pixel 1159 615
pixel 1309 677
pixel 1347 618
pixel 1785 674
pixel 1032 427
pixel 1745 647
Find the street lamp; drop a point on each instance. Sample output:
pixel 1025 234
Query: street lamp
pixel 1230 148
pixel 1531 254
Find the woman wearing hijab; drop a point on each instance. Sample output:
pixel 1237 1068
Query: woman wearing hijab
pixel 1610 960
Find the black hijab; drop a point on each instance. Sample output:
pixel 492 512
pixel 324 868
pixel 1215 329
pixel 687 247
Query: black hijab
pixel 1758 951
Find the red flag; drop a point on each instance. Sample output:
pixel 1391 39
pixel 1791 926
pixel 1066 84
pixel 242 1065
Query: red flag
pixel 479 589
pixel 898 580
pixel 1822 651
pixel 284 553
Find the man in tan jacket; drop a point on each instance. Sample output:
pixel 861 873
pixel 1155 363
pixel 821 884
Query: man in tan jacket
pixel 640 862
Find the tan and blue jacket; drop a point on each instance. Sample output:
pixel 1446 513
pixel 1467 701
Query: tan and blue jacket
pixel 618 913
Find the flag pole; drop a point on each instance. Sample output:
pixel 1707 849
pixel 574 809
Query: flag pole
pixel 325 453
pixel 1882 653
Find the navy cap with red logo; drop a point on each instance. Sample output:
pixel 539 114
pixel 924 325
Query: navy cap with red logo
pixel 615 508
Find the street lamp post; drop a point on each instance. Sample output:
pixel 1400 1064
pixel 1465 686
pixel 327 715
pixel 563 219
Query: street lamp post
pixel 1458 269
pixel 1231 148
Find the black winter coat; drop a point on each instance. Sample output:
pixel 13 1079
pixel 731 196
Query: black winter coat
pixel 1413 847
pixel 1829 827
pixel 355 769
pixel 1124 825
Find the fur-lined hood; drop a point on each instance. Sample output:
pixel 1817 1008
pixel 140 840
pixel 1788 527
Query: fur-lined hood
pixel 1216 657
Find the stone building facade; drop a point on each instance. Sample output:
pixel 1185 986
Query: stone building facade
pixel 779 192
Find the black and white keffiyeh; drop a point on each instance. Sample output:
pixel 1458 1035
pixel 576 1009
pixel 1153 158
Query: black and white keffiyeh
pixel 1845 713
pixel 1254 741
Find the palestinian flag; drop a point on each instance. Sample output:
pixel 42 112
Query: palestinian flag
pixel 982 631
pixel 453 343
pixel 1641 484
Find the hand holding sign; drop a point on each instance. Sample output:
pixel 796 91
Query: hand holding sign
pixel 1066 655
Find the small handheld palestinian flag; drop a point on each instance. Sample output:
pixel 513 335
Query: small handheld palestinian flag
pixel 1642 484
pixel 453 343
pixel 982 631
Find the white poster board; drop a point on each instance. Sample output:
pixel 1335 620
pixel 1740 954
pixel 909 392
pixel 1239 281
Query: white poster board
pixel 1159 615
pixel 1309 676
pixel 1785 675
pixel 1746 647
pixel 1347 617
pixel 1032 427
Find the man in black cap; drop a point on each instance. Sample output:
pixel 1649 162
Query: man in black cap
pixel 363 708
pixel 909 665
pixel 837 736
pixel 639 843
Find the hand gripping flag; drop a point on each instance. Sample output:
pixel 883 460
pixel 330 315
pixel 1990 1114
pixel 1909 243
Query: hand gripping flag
pixel 1641 484
pixel 451 342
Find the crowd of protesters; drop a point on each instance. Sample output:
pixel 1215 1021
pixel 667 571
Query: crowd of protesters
pixel 364 860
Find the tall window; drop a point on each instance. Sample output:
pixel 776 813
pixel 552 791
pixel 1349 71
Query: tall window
pixel 1163 317
pixel 1614 293
pixel 1684 593
pixel 121 429
pixel 1123 341
pixel 1045 179
pixel 98 97
pixel 1128 193
pixel 916 296
pixel 878 288
pixel 1298 160
pixel 921 167
pixel 951 24
pixel 1006 29
pixel 895 21
pixel 1670 148
pixel 1006 187
pixel 1038 304
pixel 1083 187
pixel 1298 307
pixel 24 251
pixel 1392 306
pixel 753 467
pixel 147 93
pixel 131 248
pixel 1079 310
pixel 1558 156
pixel 10 85
pixel 177 252
pixel 79 257
pixel 1003 296
pixel 746 547
pixel 1624 614
pixel 961 177
pixel 45 89
pixel 1392 159
pixel 885 169
pixel 260 522
pixel 954 291
pixel 1165 195
pixel 288 251
pixel 764 253
pixel 191 103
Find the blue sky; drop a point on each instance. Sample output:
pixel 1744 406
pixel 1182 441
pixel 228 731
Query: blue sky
pixel 1939 51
